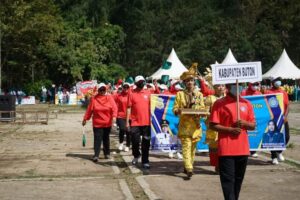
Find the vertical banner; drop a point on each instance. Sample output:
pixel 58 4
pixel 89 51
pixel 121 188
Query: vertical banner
pixel 268 134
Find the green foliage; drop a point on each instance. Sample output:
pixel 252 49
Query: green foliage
pixel 67 41
pixel 34 89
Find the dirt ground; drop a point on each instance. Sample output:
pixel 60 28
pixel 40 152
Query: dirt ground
pixel 39 161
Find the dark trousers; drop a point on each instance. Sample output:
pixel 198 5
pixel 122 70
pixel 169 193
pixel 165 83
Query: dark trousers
pixel 137 132
pixel 232 171
pixel 287 139
pixel 122 131
pixel 101 134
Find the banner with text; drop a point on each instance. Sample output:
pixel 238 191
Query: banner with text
pixel 243 72
pixel 268 135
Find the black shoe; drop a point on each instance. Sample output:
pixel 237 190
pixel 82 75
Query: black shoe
pixel 146 166
pixel 189 174
pixel 184 171
pixel 95 159
pixel 107 156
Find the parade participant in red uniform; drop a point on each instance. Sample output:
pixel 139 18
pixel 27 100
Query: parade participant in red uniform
pixel 138 108
pixel 276 83
pixel 233 144
pixel 253 89
pixel 104 111
pixel 204 88
pixel 121 101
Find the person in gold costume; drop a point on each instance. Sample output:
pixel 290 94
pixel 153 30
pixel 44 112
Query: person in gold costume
pixel 189 129
pixel 211 135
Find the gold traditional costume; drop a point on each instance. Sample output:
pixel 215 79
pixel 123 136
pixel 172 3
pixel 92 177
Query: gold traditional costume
pixel 189 130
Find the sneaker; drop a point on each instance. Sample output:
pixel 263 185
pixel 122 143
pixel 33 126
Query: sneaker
pixel 126 149
pixel 280 157
pixel 95 159
pixel 274 161
pixel 107 156
pixel 171 155
pixel 146 166
pixel 255 155
pixel 179 156
pixel 135 161
pixel 121 147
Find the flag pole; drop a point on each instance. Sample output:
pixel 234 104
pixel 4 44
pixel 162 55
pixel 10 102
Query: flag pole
pixel 237 99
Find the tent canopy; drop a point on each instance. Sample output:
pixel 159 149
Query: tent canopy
pixel 229 59
pixel 176 69
pixel 283 68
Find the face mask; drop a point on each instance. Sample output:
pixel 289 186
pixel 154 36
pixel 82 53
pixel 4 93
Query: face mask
pixel 233 90
pixel 140 84
pixel 277 84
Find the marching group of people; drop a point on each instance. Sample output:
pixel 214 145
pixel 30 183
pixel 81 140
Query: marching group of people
pixel 129 107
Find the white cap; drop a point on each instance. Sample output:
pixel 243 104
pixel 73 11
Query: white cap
pixel 139 78
pixel 101 85
pixel 178 87
pixel 163 87
pixel 174 81
pixel 126 83
pixel 151 85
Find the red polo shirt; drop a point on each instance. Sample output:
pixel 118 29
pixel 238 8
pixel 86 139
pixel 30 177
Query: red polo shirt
pixel 103 108
pixel 139 101
pixel 121 101
pixel 285 96
pixel 224 113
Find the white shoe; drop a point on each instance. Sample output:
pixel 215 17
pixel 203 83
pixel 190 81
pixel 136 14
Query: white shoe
pixel 121 147
pixel 254 155
pixel 126 149
pixel 179 156
pixel 275 161
pixel 280 157
pixel 171 155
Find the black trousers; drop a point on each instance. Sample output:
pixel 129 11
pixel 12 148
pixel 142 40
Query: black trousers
pixel 101 135
pixel 137 132
pixel 232 171
pixel 122 131
pixel 287 139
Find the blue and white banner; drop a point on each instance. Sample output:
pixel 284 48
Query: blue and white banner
pixel 268 135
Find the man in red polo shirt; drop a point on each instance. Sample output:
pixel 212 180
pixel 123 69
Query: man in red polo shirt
pixel 233 144
pixel 138 110
pixel 276 83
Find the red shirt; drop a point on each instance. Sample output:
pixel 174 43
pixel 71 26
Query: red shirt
pixel 139 101
pixel 121 101
pixel 285 96
pixel 224 113
pixel 103 108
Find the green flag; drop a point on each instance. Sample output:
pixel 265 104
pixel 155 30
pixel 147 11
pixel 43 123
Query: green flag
pixel 83 139
pixel 166 65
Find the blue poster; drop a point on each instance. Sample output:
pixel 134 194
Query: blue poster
pixel 268 134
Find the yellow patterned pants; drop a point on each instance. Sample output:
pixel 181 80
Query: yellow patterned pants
pixel 188 152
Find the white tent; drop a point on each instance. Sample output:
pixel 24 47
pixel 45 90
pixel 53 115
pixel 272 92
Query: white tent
pixel 283 68
pixel 177 68
pixel 229 59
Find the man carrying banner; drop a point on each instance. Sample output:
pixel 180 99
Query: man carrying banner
pixel 189 130
pixel 233 144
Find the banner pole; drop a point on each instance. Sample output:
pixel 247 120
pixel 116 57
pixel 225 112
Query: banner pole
pixel 237 100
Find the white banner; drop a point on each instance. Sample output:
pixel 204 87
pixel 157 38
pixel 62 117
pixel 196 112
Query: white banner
pixel 243 72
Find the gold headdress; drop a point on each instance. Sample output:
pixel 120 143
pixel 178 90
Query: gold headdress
pixel 191 73
pixel 208 77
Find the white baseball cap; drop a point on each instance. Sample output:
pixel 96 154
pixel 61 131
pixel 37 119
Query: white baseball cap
pixel 101 85
pixel 163 87
pixel 126 83
pixel 139 78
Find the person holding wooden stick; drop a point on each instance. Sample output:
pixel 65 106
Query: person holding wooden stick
pixel 233 145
